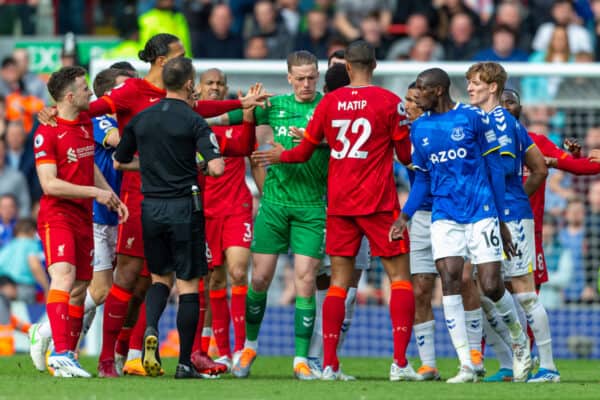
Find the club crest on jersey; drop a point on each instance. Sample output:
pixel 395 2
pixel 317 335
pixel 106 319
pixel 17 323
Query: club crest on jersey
pixel 457 134
pixel 38 141
pixel 425 141
pixel 71 155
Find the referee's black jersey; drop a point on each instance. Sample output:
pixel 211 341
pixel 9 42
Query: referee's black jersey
pixel 167 136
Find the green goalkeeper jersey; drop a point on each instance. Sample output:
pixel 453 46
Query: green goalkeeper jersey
pixel 291 185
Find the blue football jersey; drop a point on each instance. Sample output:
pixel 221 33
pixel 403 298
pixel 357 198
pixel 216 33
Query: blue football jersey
pixel 428 201
pixel 514 142
pixel 103 159
pixel 451 148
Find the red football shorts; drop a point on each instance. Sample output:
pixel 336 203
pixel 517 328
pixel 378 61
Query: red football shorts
pixel 344 234
pixel 130 241
pixel 225 232
pixel 71 242
pixel 540 273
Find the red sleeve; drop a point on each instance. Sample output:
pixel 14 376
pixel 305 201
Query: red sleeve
pixel 399 122
pixel 241 144
pixel 403 150
pixel 548 148
pixel 43 146
pixel 212 108
pixel 578 166
pixel 315 130
pixel 300 153
pixel 102 106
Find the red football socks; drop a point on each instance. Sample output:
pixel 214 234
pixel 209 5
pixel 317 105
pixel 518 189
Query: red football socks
pixel 334 310
pixel 115 312
pixel 238 315
pixel 402 313
pixel 220 320
pixel 57 308
pixel 75 324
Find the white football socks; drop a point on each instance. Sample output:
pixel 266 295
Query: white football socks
pixel 424 335
pixel 454 313
pixel 538 321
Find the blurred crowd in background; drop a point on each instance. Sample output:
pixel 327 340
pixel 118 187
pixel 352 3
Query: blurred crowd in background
pixel 401 30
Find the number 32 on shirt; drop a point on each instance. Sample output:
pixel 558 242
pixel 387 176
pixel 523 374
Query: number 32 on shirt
pixel 361 127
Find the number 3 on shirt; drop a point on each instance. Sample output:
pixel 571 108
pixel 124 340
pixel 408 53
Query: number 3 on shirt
pixel 360 126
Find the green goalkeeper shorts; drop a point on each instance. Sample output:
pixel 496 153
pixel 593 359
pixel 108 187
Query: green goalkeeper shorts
pixel 279 228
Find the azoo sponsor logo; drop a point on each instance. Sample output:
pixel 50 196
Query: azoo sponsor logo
pixel 447 155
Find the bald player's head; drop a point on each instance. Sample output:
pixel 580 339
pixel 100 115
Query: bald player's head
pixel 433 84
pixel 360 55
pixel 434 77
pixel 213 85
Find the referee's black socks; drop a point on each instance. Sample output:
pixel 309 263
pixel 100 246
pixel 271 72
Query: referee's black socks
pixel 156 301
pixel 187 320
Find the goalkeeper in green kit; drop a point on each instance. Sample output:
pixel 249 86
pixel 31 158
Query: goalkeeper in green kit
pixel 291 214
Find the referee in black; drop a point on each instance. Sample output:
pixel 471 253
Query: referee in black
pixel 167 136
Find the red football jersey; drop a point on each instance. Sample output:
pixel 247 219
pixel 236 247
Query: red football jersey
pixel 127 100
pixel 227 194
pixel 69 145
pixel 360 125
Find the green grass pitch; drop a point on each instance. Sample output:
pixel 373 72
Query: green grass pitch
pixel 272 379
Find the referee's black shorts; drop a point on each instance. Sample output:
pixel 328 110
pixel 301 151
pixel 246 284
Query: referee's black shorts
pixel 174 237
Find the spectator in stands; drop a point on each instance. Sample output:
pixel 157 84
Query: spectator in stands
pixel 503 49
pixel 20 105
pixel 446 13
pixel 3 122
pixel 21 261
pixel 373 33
pixel 290 14
pixel 542 89
pixel 426 49
pixel 559 262
pixel 483 8
pixel 256 48
pixel 580 87
pixel 71 16
pixel 9 76
pixel 196 14
pixel 21 11
pixel 31 82
pixel 350 13
pixel 8 293
pixel 317 35
pixel 272 29
pixel 13 182
pixel 511 13
pixel 218 41
pixel 19 156
pixel 417 25
pixel 595 4
pixel 336 44
pixel 591 245
pixel 563 15
pixel 571 237
pixel 461 43
pixel 165 18
pixel 401 15
pixel 129 33
pixel 8 218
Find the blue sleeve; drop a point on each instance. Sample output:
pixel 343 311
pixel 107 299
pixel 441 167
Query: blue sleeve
pixel 485 135
pixel 419 191
pixel 495 170
pixel 525 138
pixel 102 126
